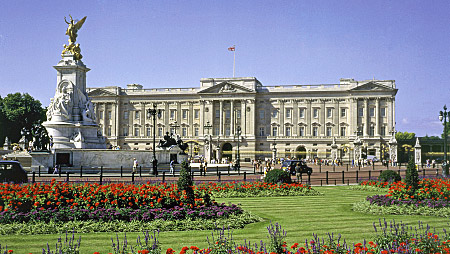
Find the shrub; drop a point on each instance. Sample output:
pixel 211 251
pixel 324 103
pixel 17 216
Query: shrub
pixel 412 177
pixel 277 176
pixel 185 182
pixel 389 176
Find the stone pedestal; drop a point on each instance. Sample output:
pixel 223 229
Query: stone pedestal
pixel 393 150
pixel 70 115
pixel 418 153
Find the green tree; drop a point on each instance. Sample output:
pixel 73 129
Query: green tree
pixel 185 182
pixel 405 135
pixel 19 111
pixel 412 177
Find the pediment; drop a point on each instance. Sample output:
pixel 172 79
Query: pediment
pixel 100 92
pixel 372 86
pixel 226 88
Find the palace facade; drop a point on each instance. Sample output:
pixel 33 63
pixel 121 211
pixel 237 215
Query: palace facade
pixel 289 121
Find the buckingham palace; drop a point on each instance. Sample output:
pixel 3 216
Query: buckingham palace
pixel 301 121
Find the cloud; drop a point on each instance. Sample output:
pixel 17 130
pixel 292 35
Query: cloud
pixel 405 120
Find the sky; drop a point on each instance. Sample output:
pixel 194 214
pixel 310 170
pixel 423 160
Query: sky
pixel 173 43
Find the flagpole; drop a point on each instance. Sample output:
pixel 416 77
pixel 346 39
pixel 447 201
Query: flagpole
pixel 234 59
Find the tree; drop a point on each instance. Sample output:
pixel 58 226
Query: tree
pixel 405 135
pixel 19 111
pixel 185 182
pixel 412 177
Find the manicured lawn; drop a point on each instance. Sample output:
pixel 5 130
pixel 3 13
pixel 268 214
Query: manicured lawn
pixel 299 216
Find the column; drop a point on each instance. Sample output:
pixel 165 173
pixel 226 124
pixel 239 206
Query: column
pixel 203 120
pixel 308 113
pixel 353 116
pixel 117 121
pixel 166 117
pixel 322 119
pixel 366 117
pixel 393 111
pixel 191 119
pixel 232 117
pixel 221 121
pixel 244 117
pixel 251 118
pixel 143 117
pixel 294 117
pixel 281 118
pixel 377 117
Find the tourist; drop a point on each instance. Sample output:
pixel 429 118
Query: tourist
pixel 171 166
pixel 135 165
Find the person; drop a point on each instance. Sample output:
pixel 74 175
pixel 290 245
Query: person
pixel 171 166
pixel 135 165
pixel 56 171
pixel 205 166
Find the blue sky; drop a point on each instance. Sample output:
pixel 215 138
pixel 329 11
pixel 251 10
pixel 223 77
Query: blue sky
pixel 175 43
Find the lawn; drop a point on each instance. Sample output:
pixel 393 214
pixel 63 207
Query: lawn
pixel 299 216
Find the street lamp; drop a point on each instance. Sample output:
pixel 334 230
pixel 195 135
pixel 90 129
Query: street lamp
pixel 175 126
pixel 154 112
pixel 238 157
pixel 443 116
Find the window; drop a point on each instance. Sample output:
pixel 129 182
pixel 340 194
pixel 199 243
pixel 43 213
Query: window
pixel 109 115
pixel 315 131
pixel 372 112
pixel 184 132
pixel 288 131
pixel 383 131
pixel 160 131
pixel 328 131
pixel 196 113
pixel 196 131
pixel 172 130
pixel 136 132
pixel 275 113
pixel 360 112
pixel 149 131
pixel 101 115
pixel 301 131
pixel 316 113
pixel 329 112
pixel 125 115
pixel 216 131
pixel 227 131
pixel 383 112
pixel 136 114
pixel 262 131
pixel 275 131
pixel 185 113
pixel 238 113
pixel 301 112
pixel 261 114
pixel 162 114
pixel 227 114
pixel 372 131
pixel 288 112
pixel 172 114
pixel 217 113
pixel 343 129
pixel 343 112
pixel 125 131
pixel 108 131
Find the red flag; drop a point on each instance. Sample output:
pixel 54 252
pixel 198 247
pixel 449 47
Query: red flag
pixel 232 48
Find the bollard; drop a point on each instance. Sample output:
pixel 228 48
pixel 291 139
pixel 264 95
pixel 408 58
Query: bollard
pixel 347 167
pixel 218 176
pixel 320 167
pixel 228 168
pixel 59 171
pixel 217 170
pixel 164 176
pixel 335 183
pixel 326 177
pixel 245 176
pixel 398 172
pixel 359 166
pixel 81 171
pixel 348 182
pixel 254 169
pixel 101 175
pixel 423 171
pixel 334 167
pixel 67 177
pixel 121 171
pixel 140 171
pixel 239 170
pixel 373 165
pixel 320 182
pixel 132 177
pixel 173 170
pixel 39 171
pixel 309 179
pixel 370 174
pixel 357 176
pixel 33 179
pixel 387 165
pixel 343 178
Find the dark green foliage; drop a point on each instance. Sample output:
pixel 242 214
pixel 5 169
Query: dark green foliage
pixel 389 176
pixel 277 176
pixel 412 177
pixel 185 182
pixel 19 111
pixel 404 135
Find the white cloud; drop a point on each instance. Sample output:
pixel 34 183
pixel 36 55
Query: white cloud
pixel 405 120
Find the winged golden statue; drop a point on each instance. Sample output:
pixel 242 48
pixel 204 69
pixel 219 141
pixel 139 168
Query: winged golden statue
pixel 71 31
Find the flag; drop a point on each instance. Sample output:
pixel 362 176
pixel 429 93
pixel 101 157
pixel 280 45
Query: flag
pixel 232 48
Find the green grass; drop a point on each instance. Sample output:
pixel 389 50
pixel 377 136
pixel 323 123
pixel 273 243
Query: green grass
pixel 299 216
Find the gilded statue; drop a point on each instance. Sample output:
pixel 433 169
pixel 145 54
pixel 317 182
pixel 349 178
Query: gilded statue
pixel 71 31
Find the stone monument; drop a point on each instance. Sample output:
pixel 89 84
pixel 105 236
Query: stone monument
pixel 70 115
pixel 418 152
pixel 393 149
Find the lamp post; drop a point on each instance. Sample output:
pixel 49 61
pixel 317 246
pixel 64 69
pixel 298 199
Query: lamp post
pixel 238 157
pixel 154 112
pixel 208 146
pixel 443 116
pixel 175 126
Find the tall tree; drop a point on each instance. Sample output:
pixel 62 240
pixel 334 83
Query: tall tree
pixel 405 135
pixel 20 111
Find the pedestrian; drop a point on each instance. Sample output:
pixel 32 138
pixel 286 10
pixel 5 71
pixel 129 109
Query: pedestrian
pixel 171 166
pixel 135 165
pixel 56 170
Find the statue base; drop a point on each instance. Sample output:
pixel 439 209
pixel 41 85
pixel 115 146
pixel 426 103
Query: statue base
pixel 74 135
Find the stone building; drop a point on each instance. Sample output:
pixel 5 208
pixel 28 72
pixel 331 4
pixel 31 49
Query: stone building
pixel 289 121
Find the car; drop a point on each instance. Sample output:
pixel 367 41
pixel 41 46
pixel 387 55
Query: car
pixel 292 165
pixel 12 172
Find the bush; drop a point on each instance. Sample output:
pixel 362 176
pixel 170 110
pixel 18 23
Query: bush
pixel 277 176
pixel 389 176
pixel 412 177
pixel 185 182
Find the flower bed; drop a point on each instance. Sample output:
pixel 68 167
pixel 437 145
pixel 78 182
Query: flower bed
pixel 255 189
